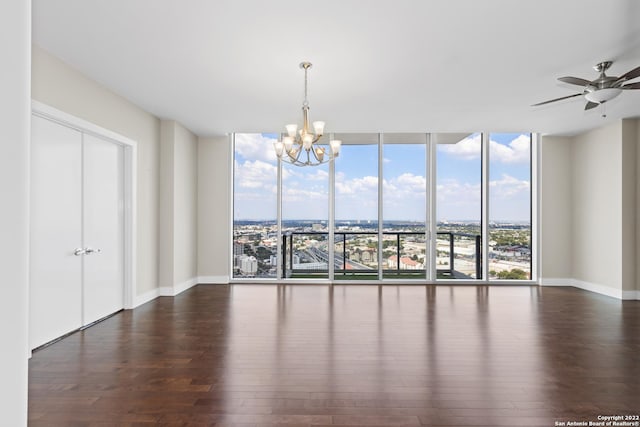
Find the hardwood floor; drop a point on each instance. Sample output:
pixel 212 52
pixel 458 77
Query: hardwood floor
pixel 265 355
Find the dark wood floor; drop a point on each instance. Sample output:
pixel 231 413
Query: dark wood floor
pixel 265 355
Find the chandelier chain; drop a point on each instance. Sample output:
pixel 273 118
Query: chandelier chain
pixel 306 101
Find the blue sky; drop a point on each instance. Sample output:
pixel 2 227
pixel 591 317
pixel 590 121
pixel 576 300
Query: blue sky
pixel 305 194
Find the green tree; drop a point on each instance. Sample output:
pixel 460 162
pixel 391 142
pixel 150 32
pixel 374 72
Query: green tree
pixel 515 274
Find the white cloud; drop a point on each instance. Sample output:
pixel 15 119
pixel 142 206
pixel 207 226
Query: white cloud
pixel 254 146
pixel 414 183
pixel 255 190
pixel 404 187
pixel 404 197
pixel 255 175
pixel 517 151
pixel 508 187
pixel 467 149
pixel 303 195
pixel 453 191
pixel 360 186
pixel 319 175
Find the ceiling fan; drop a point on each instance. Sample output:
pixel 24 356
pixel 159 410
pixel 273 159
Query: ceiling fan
pixel 602 89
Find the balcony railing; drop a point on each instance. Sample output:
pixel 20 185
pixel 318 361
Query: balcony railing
pixel 462 255
pixel 306 254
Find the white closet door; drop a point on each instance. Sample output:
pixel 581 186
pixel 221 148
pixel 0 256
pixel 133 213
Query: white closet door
pixel 103 194
pixel 56 231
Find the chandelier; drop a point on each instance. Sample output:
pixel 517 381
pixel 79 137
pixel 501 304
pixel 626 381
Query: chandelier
pixel 302 147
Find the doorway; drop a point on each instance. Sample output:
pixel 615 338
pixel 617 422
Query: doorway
pixel 81 224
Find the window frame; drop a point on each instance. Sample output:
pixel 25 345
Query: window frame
pixel 430 220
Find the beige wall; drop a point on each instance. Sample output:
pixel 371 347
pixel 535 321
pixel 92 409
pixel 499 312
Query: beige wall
pixel 590 209
pixel 166 213
pixel 214 209
pixel 597 206
pixel 555 208
pixel 56 84
pixel 178 207
pixel 628 204
pixel 186 205
pixel 637 122
pixel 15 110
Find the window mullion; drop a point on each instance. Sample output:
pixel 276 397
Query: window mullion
pixel 485 205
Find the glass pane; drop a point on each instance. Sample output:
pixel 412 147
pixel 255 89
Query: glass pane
pixel 459 206
pixel 254 206
pixel 305 213
pixel 404 206
pixel 510 206
pixel 356 208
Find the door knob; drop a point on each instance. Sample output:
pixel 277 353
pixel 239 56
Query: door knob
pixel 89 250
pixel 79 251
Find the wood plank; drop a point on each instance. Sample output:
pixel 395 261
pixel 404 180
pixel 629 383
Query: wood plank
pixel 307 355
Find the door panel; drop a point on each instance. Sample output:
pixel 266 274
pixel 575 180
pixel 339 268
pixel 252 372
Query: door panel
pixel 103 228
pixel 55 224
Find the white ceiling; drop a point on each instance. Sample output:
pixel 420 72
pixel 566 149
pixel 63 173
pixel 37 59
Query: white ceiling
pixel 221 66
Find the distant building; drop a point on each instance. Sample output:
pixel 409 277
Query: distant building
pixel 369 255
pixel 406 263
pixel 318 266
pixel 238 248
pixel 248 265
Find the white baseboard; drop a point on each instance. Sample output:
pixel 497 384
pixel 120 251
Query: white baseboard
pixel 181 287
pixel 172 291
pixel 146 297
pixel 631 295
pixel 556 281
pixel 592 287
pixel 214 280
pixel 598 288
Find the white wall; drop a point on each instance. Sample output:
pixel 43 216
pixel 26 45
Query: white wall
pixel 15 107
pixel 178 208
pixel 555 209
pixel 62 87
pixel 214 209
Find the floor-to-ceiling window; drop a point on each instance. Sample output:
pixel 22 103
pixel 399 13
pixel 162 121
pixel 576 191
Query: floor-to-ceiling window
pixel 459 206
pixel 356 208
pixel 510 206
pixel 305 215
pixel 255 166
pixel 369 215
pixel 404 206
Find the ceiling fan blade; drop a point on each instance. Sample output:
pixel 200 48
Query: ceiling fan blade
pixel 557 99
pixel 574 81
pixel 631 86
pixel 590 105
pixel 630 75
